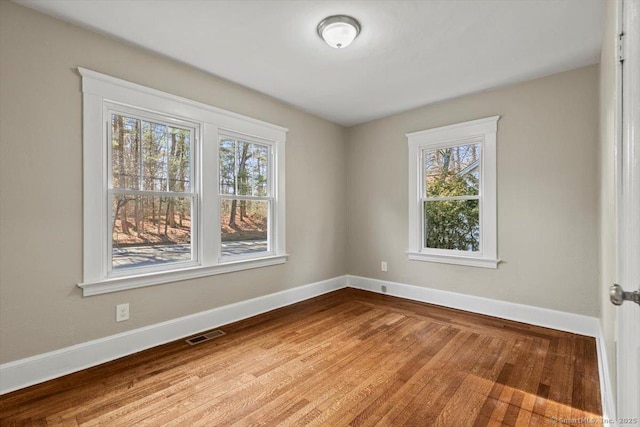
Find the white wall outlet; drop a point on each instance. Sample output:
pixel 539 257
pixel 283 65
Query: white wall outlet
pixel 383 266
pixel 122 312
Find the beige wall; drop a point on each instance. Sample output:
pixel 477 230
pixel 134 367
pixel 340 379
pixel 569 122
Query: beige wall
pixel 41 309
pixel 547 194
pixel 608 248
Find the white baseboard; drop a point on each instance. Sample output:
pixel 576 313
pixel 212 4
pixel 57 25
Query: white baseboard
pixel 560 320
pixel 43 367
pixel 606 389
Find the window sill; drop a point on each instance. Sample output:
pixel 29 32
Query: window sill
pixel 455 259
pixel 150 279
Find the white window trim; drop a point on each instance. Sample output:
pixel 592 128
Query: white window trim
pixel 484 132
pixel 99 90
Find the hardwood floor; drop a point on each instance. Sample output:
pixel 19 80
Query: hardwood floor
pixel 346 358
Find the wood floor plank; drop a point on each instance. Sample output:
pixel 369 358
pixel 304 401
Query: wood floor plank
pixel 349 357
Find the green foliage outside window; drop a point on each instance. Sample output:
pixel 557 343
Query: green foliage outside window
pixel 451 224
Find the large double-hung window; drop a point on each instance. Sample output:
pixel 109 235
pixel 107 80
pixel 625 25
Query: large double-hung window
pixel 175 189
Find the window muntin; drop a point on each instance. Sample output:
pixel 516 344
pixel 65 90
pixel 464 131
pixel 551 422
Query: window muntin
pixel 152 205
pixel 246 197
pixel 451 197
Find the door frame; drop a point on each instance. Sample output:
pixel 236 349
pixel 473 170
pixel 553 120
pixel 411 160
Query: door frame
pixel 628 218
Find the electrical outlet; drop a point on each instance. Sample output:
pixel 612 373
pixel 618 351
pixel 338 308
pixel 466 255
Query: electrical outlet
pixel 383 266
pixel 384 288
pixel 122 312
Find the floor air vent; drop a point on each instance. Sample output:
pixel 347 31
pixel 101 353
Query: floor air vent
pixel 205 337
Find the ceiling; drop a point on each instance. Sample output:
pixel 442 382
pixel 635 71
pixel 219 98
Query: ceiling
pixel 408 54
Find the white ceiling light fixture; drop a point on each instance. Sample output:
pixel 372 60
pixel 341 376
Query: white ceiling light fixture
pixel 338 30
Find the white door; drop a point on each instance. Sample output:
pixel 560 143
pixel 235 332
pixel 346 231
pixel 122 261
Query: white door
pixel 628 347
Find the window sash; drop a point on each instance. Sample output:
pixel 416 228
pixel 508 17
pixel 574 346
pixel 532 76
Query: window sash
pixel 112 108
pixel 238 137
pixel 193 261
pixel 423 227
pixel 449 144
pixel 270 231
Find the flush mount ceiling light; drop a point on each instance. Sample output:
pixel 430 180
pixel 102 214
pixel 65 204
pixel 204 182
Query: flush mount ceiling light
pixel 338 30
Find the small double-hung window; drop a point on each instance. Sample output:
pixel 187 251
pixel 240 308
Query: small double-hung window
pixel 452 187
pixel 175 189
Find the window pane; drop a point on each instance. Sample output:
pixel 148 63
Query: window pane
pixel 179 159
pixel 452 224
pixel 227 166
pixel 244 168
pixel 244 227
pixel 150 230
pixel 125 152
pixel 166 157
pixel 154 140
pixel 453 171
